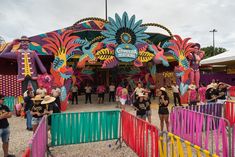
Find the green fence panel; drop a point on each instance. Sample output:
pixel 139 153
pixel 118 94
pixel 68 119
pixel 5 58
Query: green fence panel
pixel 10 102
pixel 84 127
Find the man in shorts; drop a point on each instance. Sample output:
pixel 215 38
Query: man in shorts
pixel 4 126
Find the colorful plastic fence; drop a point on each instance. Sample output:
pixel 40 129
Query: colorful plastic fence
pixel 229 113
pixel 231 91
pixel 39 140
pixel 206 131
pixel 214 109
pixel 177 147
pixel 38 143
pixel 84 127
pixel 139 135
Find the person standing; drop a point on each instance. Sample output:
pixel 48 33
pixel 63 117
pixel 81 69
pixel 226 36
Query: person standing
pixel 56 92
pixel 88 90
pixel 152 88
pixel 111 92
pixel 148 107
pixel 101 92
pixel 202 93
pixel 28 104
pixel 192 95
pixel 118 94
pixel 163 108
pixel 37 112
pixel 176 93
pixel 211 94
pixel 140 106
pixel 50 107
pixel 41 91
pixel 222 92
pixel 5 113
pixel 123 97
pixel 74 90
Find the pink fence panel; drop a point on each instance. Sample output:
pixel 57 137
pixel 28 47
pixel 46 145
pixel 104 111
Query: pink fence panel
pixel 39 141
pixel 206 131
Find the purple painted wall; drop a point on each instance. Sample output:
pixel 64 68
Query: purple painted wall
pixel 223 77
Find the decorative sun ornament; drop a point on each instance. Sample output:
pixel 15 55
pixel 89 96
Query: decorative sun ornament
pixel 124 30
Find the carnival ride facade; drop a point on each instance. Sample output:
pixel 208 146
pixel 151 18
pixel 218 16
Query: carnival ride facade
pixel 110 43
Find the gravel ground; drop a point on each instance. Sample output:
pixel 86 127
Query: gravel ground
pixel 97 149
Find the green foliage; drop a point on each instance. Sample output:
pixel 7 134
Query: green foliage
pixel 209 51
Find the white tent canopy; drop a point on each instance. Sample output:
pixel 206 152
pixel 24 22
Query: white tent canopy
pixel 226 58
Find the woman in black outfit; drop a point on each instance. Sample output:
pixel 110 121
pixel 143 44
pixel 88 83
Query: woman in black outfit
pixel 140 106
pixel 163 108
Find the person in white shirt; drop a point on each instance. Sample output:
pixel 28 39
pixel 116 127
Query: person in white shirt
pixel 41 91
pixel 55 92
pixel 176 93
pixel 112 92
pixel 138 90
pixel 88 90
pixel 74 90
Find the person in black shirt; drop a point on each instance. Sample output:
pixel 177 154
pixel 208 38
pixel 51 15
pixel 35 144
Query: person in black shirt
pixel 163 108
pixel 148 108
pixel 28 104
pixel 222 92
pixel 4 126
pixel 211 94
pixel 50 107
pixel 140 106
pixel 37 111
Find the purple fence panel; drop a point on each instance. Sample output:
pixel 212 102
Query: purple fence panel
pixel 39 140
pixel 204 130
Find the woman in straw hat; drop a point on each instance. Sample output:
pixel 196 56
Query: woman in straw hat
pixel 50 107
pixel 140 106
pixel 163 108
pixel 192 95
pixel 211 93
pixel 37 111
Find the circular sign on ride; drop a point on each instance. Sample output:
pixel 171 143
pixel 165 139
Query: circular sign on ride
pixel 126 52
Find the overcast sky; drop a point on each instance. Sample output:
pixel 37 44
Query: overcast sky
pixel 188 18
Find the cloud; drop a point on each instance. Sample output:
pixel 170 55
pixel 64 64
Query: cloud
pixel 187 18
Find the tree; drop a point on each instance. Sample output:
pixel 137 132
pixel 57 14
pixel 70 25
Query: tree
pixel 209 51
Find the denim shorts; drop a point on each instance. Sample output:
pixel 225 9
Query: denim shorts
pixel 5 134
pixel 36 121
pixel 148 113
pixel 142 116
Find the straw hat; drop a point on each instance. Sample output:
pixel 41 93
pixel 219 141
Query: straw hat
pixel 163 89
pixel 37 98
pixel 192 86
pixel 24 38
pixel 210 86
pixel 48 99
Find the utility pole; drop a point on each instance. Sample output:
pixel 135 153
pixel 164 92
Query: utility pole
pixel 106 9
pixel 213 33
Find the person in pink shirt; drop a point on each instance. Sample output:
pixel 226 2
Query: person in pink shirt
pixel 123 97
pixel 193 96
pixel 101 91
pixel 202 93
pixel 117 95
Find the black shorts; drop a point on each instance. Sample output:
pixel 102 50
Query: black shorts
pixel 163 110
pixel 101 95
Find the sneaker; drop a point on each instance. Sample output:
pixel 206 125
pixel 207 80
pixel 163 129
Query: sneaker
pixel 11 155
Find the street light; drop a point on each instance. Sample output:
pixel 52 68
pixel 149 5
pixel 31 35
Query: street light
pixel 213 32
pixel 106 9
